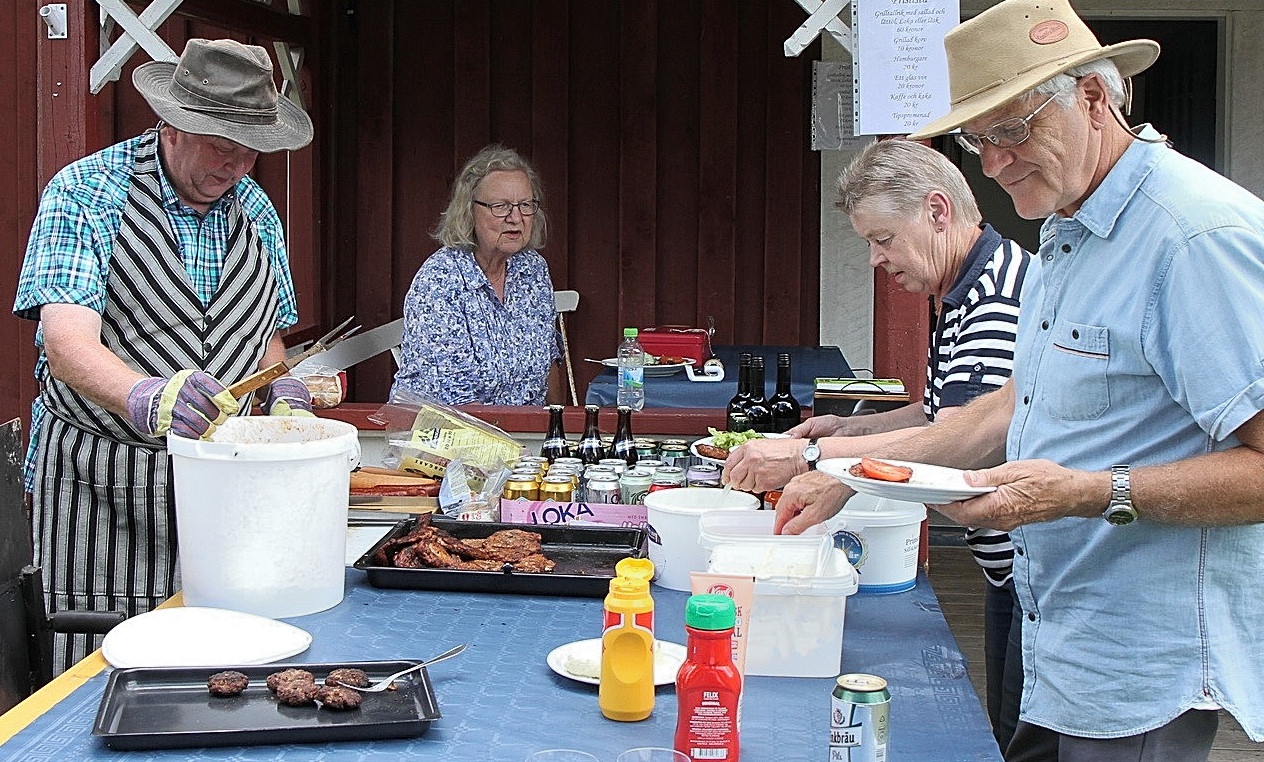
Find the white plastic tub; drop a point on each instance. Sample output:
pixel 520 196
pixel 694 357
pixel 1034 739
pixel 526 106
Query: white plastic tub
pixel 801 588
pixel 882 538
pixel 672 515
pixel 261 514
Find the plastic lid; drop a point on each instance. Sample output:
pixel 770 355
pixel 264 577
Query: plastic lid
pixel 629 333
pixel 635 568
pixel 629 587
pixel 710 612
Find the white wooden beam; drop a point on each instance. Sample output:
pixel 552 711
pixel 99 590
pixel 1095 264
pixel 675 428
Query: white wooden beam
pixel 137 31
pixel 823 18
pixel 291 60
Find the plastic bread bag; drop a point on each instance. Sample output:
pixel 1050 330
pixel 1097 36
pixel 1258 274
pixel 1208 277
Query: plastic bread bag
pixel 424 436
pixel 323 382
pixel 467 496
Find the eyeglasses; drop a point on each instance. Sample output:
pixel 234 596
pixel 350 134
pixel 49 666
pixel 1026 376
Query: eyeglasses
pixel 1004 134
pixel 503 209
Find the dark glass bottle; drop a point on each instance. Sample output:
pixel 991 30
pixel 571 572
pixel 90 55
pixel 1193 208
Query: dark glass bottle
pixel 555 446
pixel 590 447
pixel 785 409
pixel 624 445
pixel 757 411
pixel 737 405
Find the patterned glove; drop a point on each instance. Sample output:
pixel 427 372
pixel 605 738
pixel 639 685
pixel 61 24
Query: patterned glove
pixel 190 405
pixel 288 396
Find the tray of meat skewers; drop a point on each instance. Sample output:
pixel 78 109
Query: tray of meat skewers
pixel 436 553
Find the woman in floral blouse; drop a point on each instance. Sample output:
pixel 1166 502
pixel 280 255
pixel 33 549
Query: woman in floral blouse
pixel 479 318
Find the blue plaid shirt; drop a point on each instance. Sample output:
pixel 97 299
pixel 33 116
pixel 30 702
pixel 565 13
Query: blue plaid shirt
pixel 68 254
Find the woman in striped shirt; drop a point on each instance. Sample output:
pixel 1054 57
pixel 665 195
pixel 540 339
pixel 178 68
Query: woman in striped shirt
pixel 924 228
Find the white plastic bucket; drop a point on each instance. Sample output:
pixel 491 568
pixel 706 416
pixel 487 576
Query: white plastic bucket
pixel 881 538
pixel 261 514
pixel 672 515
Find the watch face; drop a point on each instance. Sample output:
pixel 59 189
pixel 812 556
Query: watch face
pixel 811 452
pixel 1120 514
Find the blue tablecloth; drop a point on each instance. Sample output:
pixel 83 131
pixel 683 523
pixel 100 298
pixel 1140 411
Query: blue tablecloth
pixel 501 701
pixel 806 365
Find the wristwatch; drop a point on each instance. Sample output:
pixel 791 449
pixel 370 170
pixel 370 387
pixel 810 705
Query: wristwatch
pixel 812 453
pixel 1120 511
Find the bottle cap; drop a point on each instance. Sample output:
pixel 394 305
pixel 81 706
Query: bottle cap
pixel 629 333
pixel 710 612
pixel 635 568
pixel 628 587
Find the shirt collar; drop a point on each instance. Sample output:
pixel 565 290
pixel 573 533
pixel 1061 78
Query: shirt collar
pixel 173 205
pixel 1101 210
pixel 978 258
pixel 474 276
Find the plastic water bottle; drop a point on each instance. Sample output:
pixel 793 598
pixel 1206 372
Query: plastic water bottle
pixel 631 371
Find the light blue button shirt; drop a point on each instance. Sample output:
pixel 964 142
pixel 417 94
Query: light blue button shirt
pixel 1141 342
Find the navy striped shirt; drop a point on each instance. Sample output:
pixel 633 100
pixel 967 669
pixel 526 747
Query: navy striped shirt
pixel 972 353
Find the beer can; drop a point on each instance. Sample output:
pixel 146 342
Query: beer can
pixel 603 488
pixel 568 462
pixel 650 465
pixel 634 484
pixel 673 476
pixel 674 454
pixel 674 443
pixel 521 489
pixel 532 471
pixel 703 475
pixel 533 459
pixel 618 464
pixel 860 708
pixel 560 489
pixel 645 448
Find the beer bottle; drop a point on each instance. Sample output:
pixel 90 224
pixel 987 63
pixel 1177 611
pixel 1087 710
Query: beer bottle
pixel 624 445
pixel 785 409
pixel 757 411
pixel 555 446
pixel 590 449
pixel 737 405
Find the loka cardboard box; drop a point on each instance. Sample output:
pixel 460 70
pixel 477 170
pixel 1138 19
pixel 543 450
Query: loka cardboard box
pixel 551 512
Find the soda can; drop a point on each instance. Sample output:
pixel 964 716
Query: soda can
pixel 860 708
pixel 674 454
pixel 703 475
pixel 673 476
pixel 521 489
pixel 560 489
pixel 674 443
pixel 603 488
pixel 650 465
pixel 645 448
pixel 568 462
pixel 533 459
pixel 618 464
pixel 634 484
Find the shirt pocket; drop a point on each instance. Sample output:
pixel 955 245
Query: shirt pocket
pixel 1075 376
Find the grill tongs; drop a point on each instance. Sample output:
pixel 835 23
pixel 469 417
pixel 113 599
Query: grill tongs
pixel 273 372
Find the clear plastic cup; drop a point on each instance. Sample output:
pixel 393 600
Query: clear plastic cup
pixel 563 755
pixel 652 754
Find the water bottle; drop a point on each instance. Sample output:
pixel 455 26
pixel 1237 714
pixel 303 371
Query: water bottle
pixel 631 371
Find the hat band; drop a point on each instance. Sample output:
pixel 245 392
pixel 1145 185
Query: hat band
pixel 235 114
pixel 1020 72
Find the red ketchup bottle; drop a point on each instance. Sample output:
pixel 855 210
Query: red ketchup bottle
pixel 708 683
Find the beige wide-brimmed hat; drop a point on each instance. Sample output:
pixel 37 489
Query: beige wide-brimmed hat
pixel 1011 47
pixel 224 88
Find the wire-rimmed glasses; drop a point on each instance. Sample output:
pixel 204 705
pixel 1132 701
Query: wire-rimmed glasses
pixel 1004 134
pixel 503 209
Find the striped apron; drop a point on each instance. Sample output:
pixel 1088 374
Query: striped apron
pixel 104 516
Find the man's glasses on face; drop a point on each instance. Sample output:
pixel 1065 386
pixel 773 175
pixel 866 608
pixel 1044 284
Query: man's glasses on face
pixel 1004 134
pixel 504 209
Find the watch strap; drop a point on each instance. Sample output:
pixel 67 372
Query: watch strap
pixel 1120 511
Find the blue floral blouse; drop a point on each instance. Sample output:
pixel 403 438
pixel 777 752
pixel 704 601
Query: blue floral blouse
pixel 462 344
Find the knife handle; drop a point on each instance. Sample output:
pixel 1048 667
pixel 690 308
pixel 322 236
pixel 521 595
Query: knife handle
pixel 258 380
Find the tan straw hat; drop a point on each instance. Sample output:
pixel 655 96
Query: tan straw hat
pixel 224 88
pixel 1011 47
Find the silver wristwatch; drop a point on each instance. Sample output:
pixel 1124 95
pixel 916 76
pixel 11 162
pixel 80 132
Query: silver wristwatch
pixel 812 453
pixel 1120 511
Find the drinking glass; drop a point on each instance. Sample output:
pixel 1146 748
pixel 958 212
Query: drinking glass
pixel 562 755
pixel 652 754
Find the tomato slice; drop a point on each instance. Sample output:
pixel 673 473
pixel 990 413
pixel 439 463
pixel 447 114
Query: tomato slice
pixel 887 472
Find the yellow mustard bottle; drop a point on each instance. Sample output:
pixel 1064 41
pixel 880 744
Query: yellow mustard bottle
pixel 626 689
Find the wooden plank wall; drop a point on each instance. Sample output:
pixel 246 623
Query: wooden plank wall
pixel 671 138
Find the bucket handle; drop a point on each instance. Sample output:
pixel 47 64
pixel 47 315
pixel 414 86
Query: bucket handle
pixel 353 456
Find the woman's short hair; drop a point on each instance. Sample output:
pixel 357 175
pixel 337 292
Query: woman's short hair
pixel 895 176
pixel 456 225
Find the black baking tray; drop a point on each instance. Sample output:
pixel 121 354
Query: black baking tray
pixel 585 558
pixel 170 707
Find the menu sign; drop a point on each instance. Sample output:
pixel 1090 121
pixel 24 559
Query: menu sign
pixel 898 63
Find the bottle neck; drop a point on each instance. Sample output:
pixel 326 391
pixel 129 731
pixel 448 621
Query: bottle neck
pixel 591 430
pixel 757 382
pixel 710 646
pixel 783 378
pixel 555 424
pixel 743 380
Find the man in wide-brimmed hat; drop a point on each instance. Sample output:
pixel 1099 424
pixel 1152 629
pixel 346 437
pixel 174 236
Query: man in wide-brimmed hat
pixel 156 267
pixel 1127 450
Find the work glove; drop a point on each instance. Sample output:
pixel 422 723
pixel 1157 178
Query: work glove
pixel 288 396
pixel 191 404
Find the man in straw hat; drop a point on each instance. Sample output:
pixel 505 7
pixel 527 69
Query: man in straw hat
pixel 156 267
pixel 1127 450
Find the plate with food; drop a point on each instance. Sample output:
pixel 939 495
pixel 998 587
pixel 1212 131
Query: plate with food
pixel 581 661
pixel 664 365
pixel 902 480
pixel 716 448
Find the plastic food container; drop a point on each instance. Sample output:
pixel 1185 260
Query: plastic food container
pixel 673 516
pixel 882 538
pixel 801 588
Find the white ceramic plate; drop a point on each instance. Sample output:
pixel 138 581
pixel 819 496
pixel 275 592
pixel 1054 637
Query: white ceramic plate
pixel 707 440
pixel 653 371
pixel 667 660
pixel 929 484
pixel 195 636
